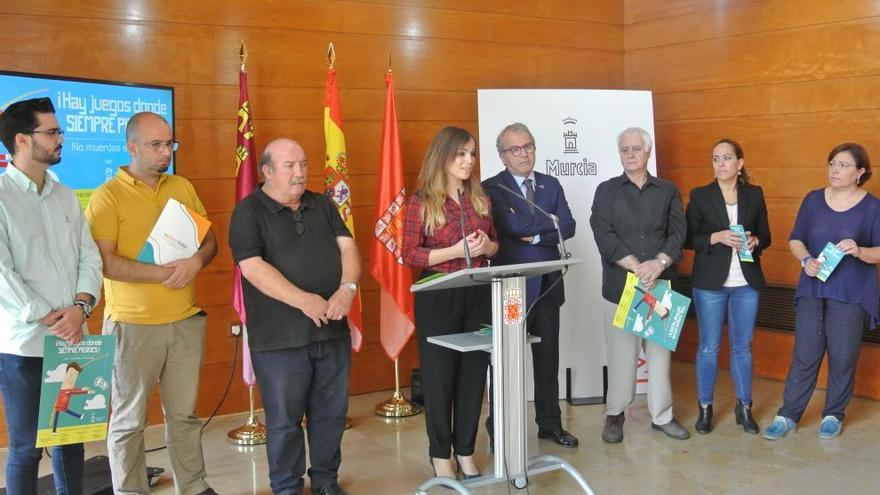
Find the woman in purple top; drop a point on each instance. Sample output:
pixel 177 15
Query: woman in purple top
pixel 830 315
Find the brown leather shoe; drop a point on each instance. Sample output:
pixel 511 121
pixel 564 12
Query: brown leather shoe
pixel 613 432
pixel 673 429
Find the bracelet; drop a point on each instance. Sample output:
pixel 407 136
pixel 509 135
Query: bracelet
pixel 804 261
pixel 85 308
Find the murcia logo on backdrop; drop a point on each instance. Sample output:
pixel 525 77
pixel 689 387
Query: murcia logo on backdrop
pixel 566 166
pixel 569 135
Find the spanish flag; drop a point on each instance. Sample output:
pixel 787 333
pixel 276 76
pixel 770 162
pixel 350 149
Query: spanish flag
pixel 337 185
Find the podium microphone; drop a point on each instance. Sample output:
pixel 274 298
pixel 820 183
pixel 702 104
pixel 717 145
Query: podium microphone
pixel 563 253
pixel 467 249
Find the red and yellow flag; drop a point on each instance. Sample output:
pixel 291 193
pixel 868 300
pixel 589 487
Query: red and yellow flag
pixel 337 185
pixel 245 183
pixel 386 262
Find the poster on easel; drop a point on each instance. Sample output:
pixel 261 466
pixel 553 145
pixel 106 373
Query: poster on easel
pixel 75 390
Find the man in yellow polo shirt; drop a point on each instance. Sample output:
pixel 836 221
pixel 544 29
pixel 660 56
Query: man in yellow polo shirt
pixel 151 310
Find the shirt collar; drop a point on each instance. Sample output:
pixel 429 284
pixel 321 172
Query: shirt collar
pixel 23 182
pixel 126 177
pixel 307 201
pixel 624 179
pixel 519 180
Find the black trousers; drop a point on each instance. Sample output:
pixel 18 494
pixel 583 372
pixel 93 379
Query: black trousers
pixel 543 321
pixel 452 382
pixel 823 326
pixel 311 380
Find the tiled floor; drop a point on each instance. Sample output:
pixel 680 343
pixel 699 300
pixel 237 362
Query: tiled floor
pixel 389 457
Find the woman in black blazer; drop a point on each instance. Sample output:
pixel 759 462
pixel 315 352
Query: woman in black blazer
pixel 726 284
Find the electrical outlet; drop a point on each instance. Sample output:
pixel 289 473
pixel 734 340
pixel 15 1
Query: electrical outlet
pixel 234 329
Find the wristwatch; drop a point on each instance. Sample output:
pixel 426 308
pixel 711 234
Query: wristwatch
pixel 85 307
pixel 349 285
pixel 662 261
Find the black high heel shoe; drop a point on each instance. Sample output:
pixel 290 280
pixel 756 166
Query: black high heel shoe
pixel 744 417
pixel 464 475
pixel 704 420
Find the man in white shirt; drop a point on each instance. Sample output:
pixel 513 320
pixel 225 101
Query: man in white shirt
pixel 50 279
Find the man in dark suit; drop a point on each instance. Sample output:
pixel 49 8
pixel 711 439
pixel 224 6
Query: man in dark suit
pixel 527 235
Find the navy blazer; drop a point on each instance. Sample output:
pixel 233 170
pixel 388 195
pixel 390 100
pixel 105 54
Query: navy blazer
pixel 512 219
pixel 706 214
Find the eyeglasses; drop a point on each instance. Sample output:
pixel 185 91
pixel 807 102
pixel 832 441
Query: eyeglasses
pixel 518 150
pixel 841 165
pixel 298 218
pixel 158 145
pixel 52 133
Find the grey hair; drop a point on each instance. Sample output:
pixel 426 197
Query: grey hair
pixel 646 138
pixel 514 127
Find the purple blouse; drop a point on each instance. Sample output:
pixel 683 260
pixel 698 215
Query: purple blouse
pixel 853 281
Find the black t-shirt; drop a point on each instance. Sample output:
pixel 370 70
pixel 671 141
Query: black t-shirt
pixel 301 244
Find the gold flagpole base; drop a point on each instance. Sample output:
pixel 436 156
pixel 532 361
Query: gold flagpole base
pixel 397 407
pixel 252 433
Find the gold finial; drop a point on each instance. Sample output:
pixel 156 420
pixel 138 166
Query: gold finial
pixel 243 55
pixel 388 67
pixel 331 55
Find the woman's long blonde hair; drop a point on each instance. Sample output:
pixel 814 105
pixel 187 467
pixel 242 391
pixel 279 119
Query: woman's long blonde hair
pixel 432 178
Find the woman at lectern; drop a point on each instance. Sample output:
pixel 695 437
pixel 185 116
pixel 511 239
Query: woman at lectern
pixel 448 225
pixel 728 230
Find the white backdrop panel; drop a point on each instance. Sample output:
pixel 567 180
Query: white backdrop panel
pixel 576 137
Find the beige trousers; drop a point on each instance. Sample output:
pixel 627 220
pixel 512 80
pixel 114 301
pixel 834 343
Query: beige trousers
pixel 622 350
pixel 170 355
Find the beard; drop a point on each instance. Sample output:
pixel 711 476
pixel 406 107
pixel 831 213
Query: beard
pixel 43 155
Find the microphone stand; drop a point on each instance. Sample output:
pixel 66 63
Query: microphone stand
pixel 467 249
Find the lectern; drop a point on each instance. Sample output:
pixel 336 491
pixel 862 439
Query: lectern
pixel 507 345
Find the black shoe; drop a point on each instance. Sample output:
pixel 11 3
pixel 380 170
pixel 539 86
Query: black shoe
pixel 464 475
pixel 331 489
pixel 744 417
pixel 613 432
pixel 560 436
pixel 704 421
pixel 207 491
pixel 673 429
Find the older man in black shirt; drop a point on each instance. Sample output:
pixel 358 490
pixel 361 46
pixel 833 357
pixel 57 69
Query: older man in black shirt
pixel 640 227
pixel 300 268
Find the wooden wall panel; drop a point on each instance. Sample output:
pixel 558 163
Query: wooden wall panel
pixel 781 79
pixel 442 52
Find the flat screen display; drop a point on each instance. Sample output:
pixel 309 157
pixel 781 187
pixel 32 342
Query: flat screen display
pixel 93 115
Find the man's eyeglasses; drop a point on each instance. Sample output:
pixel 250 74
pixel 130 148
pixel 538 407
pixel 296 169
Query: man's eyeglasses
pixel 298 218
pixel 519 150
pixel 159 145
pixel 52 133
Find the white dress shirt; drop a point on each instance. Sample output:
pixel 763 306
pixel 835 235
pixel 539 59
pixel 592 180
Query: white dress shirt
pixel 47 256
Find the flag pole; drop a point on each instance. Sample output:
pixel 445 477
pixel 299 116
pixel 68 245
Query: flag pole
pixel 397 406
pixel 252 432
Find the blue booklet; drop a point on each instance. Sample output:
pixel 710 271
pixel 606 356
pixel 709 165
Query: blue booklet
pixel 657 315
pixel 829 257
pixel 743 251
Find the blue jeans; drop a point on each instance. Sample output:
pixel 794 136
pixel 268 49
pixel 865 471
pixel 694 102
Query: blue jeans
pixel 740 306
pixel 20 379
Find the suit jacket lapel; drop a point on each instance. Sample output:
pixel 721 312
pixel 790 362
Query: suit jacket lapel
pixel 742 203
pixel 718 204
pixel 509 181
